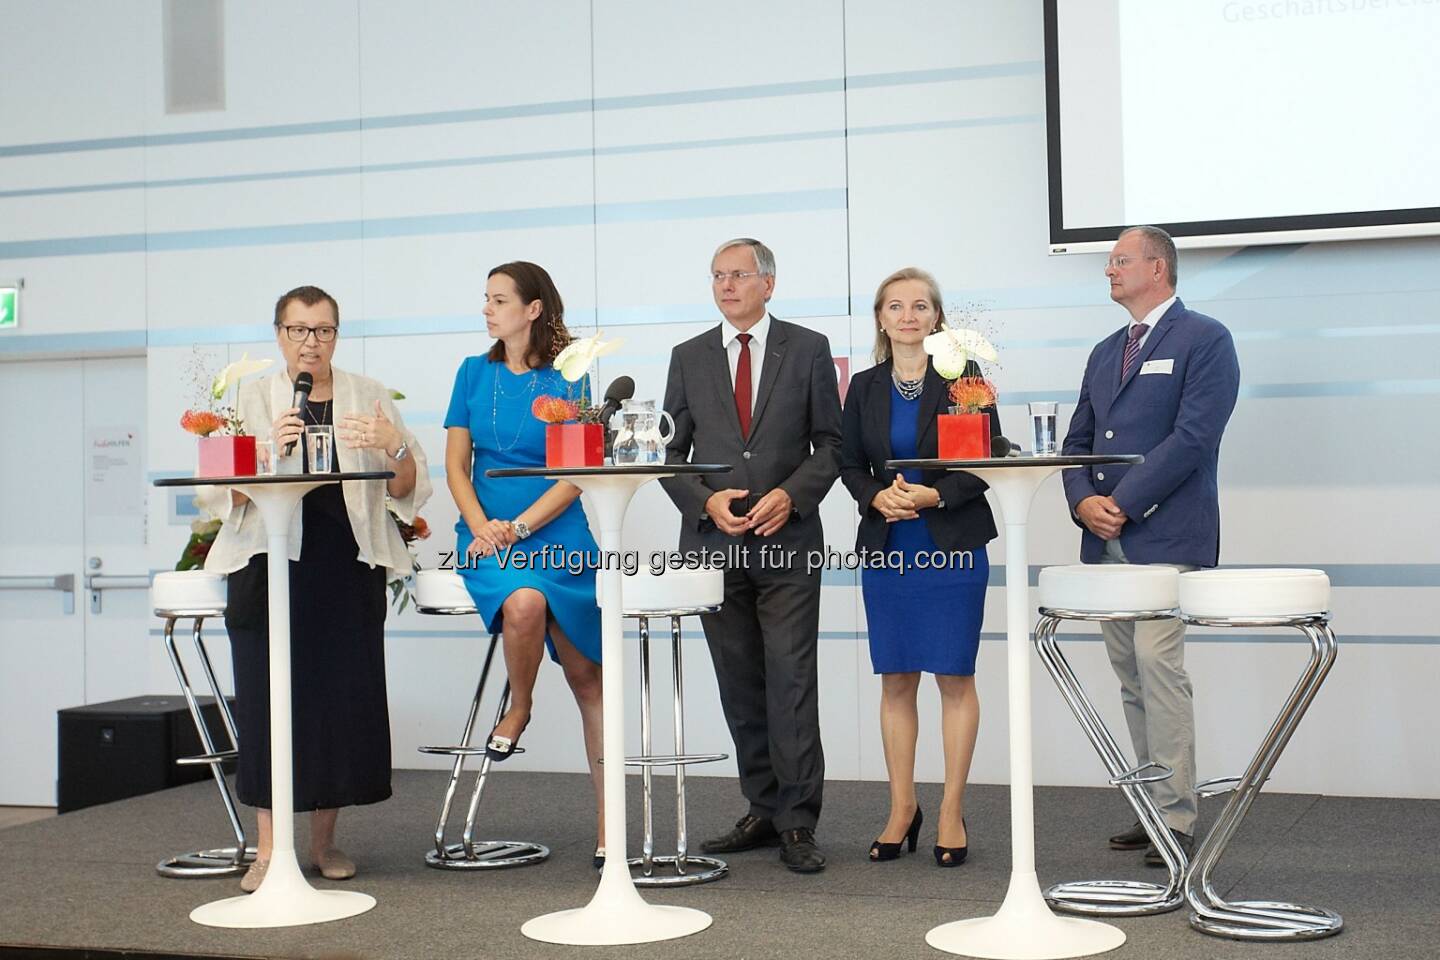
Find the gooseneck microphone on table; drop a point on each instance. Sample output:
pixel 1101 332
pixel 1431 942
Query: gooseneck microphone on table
pixel 303 385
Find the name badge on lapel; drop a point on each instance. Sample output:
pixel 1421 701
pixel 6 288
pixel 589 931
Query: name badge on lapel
pixel 1157 366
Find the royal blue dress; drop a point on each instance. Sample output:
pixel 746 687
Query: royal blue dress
pixel 922 619
pixel 559 558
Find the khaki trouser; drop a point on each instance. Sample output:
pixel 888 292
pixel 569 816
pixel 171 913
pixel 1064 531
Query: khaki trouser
pixel 1149 658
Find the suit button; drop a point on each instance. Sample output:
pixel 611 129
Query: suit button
pixel 1099 476
pixel 746 454
pixel 1109 434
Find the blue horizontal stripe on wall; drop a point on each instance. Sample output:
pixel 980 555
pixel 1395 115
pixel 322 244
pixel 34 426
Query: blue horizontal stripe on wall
pixel 551 108
pixel 530 157
pixel 438 224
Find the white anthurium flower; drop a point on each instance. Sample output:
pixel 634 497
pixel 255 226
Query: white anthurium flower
pixel 236 372
pixel 953 349
pixel 575 359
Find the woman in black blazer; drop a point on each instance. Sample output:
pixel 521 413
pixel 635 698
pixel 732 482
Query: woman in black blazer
pixel 923 616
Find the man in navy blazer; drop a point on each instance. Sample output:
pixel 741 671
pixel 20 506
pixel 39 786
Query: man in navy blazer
pixel 1164 386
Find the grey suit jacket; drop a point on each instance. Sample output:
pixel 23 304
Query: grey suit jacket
pixel 794 440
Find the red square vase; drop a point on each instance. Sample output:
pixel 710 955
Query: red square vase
pixel 227 457
pixel 964 436
pixel 574 445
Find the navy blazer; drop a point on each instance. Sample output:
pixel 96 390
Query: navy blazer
pixel 1174 412
pixel 965 523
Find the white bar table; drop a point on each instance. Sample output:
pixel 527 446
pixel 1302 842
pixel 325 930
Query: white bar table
pixel 1025 928
pixel 617 913
pixel 285 898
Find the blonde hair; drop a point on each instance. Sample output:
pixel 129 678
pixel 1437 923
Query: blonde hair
pixel 882 339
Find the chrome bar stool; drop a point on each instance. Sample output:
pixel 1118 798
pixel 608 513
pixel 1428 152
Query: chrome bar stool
pixel 197 594
pixel 443 593
pixel 673 594
pixel 1247 599
pixel 1111 593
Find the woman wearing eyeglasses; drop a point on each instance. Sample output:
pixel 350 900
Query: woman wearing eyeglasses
pixel 344 546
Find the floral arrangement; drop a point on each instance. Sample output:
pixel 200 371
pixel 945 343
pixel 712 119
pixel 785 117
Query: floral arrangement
pixel 214 417
pixel 400 593
pixel 574 363
pixel 197 548
pixel 957 353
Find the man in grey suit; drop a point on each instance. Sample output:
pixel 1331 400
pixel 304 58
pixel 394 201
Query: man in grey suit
pixel 760 394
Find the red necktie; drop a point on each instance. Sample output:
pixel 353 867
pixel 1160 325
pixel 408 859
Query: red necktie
pixel 742 384
pixel 1132 348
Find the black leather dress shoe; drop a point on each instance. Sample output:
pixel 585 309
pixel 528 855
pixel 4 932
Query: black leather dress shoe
pixel 800 853
pixel 750 832
pixel 1186 841
pixel 1133 839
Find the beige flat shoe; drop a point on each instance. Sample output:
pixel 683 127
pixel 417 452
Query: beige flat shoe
pixel 334 865
pixel 253 877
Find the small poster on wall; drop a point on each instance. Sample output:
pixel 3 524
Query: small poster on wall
pixel 114 486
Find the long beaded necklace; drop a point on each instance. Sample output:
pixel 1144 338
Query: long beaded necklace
pixel 499 392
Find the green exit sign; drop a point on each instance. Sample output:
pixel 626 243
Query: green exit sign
pixel 9 306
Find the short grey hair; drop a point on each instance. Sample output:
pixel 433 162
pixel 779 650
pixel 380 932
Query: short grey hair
pixel 1158 245
pixel 764 259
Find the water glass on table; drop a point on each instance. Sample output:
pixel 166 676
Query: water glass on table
pixel 1043 415
pixel 320 447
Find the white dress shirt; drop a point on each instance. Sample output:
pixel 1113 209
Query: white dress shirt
pixel 760 334
pixel 1152 318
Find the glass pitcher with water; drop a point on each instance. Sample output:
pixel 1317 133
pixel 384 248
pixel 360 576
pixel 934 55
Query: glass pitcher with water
pixel 639 437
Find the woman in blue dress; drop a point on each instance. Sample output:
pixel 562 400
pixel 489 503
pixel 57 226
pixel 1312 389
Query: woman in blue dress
pixel 923 613
pixel 546 601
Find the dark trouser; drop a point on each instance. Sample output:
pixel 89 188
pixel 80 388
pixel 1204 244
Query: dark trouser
pixel 763 644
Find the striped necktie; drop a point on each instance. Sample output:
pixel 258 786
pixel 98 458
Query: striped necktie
pixel 1132 348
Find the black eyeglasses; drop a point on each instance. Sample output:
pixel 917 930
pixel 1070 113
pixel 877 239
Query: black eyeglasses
pixel 298 332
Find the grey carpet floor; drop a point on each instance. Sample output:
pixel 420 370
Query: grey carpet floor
pixel 88 879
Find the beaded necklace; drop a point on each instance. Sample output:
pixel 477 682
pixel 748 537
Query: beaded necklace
pixel 499 392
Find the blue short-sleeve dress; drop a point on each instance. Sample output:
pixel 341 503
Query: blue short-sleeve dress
pixel 559 558
pixel 922 619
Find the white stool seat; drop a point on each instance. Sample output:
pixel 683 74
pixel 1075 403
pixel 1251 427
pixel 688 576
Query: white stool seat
pixel 442 590
pixel 1254 594
pixel 672 590
pixel 1109 587
pixel 188 590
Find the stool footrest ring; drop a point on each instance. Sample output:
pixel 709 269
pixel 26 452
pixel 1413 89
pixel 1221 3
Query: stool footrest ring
pixel 205 759
pixel 1137 775
pixel 675 760
pixel 1269 920
pixel 455 751
pixel 1212 787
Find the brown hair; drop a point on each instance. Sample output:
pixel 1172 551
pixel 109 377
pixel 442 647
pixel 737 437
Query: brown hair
pixel 548 334
pixel 309 296
pixel 882 340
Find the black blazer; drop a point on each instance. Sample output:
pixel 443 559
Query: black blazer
pixel 965 523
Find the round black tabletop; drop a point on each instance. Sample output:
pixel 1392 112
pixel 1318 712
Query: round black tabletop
pixel 268 479
pixel 1085 460
pixel 617 470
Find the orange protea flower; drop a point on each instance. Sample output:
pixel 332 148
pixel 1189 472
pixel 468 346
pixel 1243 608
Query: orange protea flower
pixel 422 529
pixel 202 422
pixel 972 394
pixel 549 409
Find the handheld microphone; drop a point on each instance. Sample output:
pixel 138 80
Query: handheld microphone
pixel 1002 447
pixel 303 385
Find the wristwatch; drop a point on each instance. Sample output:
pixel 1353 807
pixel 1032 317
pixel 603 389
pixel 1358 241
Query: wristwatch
pixel 401 453
pixel 522 529
pixel 940 504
